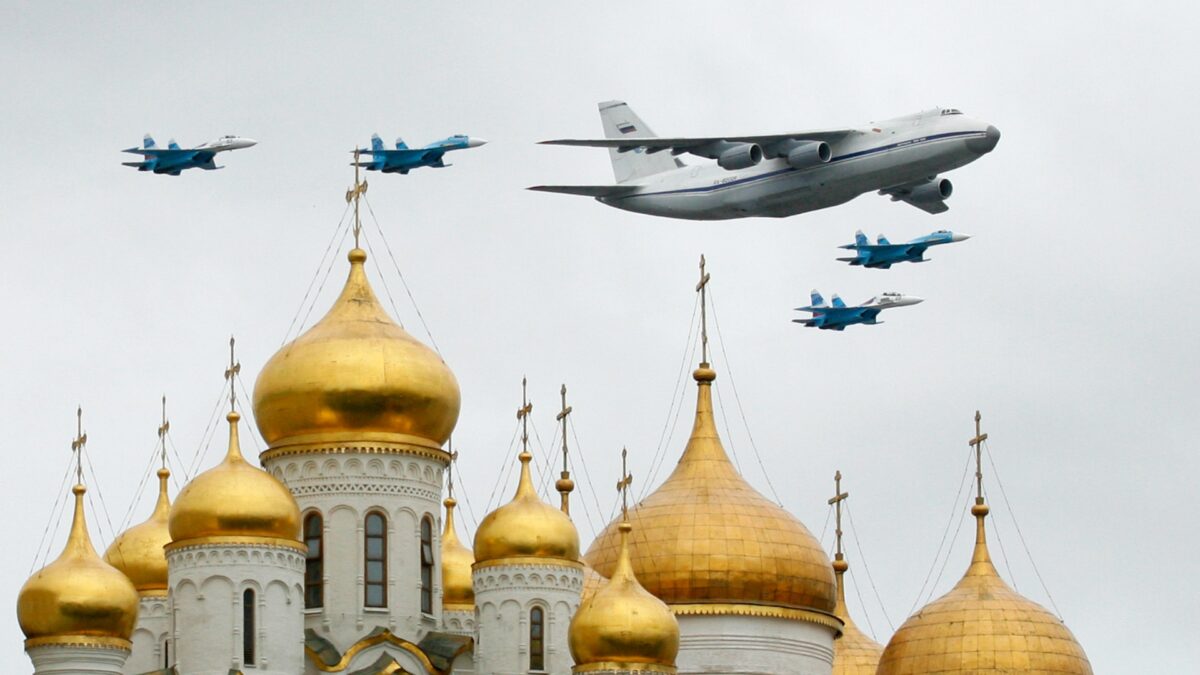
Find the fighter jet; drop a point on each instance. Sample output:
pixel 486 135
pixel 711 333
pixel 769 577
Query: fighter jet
pixel 837 315
pixel 779 175
pixel 173 159
pixel 404 159
pixel 884 253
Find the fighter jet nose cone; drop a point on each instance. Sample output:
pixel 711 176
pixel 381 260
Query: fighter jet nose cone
pixel 915 300
pixel 987 143
pixel 474 142
pixel 959 236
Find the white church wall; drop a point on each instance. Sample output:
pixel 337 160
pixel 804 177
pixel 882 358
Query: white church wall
pixel 505 594
pixel 753 645
pixel 150 637
pixel 77 660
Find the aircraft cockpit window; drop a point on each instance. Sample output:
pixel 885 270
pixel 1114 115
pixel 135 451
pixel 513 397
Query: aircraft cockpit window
pixel 951 111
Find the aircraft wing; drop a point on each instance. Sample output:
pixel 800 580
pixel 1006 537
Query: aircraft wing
pixel 158 152
pixel 903 193
pixel 700 146
pixel 416 154
pixel 588 190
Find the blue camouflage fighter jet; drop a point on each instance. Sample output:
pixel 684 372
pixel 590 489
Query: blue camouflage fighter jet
pixel 173 159
pixel 404 159
pixel 837 315
pixel 883 254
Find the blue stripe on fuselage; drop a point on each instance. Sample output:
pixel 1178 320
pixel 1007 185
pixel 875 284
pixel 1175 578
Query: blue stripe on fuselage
pixel 841 158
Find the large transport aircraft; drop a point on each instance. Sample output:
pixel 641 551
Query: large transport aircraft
pixel 782 175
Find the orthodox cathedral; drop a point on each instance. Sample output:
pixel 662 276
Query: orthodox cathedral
pixel 340 555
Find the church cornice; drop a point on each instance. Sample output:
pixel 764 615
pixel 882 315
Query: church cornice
pixel 735 609
pixel 366 447
pixel 86 641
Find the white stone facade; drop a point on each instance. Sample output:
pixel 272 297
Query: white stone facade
pixel 459 621
pixel 343 485
pixel 208 582
pixel 753 645
pixel 506 595
pixel 82 659
pixel 151 637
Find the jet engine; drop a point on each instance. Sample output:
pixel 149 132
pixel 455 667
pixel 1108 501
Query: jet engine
pixel 931 191
pixel 740 156
pixel 803 154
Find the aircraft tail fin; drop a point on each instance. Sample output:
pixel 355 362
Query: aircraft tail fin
pixel 837 301
pixel 172 145
pixel 861 239
pixel 400 144
pixel 148 141
pixel 817 299
pixel 376 142
pixel 621 122
pixel 882 240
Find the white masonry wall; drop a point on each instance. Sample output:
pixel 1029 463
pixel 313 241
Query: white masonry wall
pixel 150 636
pixel 753 645
pixel 77 660
pixel 459 622
pixel 504 596
pixel 207 582
pixel 343 486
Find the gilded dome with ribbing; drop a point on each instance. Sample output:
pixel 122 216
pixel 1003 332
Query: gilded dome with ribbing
pixel 705 536
pixel 526 527
pixel 983 627
pixel 138 551
pixel 356 376
pixel 458 590
pixel 78 597
pixel 622 626
pixel 853 653
pixel 234 499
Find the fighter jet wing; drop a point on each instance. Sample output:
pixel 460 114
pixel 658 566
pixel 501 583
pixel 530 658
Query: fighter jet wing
pixel 158 152
pixel 903 193
pixel 701 146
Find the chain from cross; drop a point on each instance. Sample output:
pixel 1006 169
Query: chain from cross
pixel 977 443
pixel 77 445
pixel 231 373
pixel 162 431
pixel 836 501
pixel 523 415
pixel 624 483
pixel 353 194
pixel 702 289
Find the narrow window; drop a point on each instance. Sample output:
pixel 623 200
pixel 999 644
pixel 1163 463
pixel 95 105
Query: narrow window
pixel 376 560
pixel 427 565
pixel 537 642
pixel 166 654
pixel 248 627
pixel 314 562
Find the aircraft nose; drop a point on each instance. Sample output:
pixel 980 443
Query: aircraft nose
pixel 959 236
pixel 247 142
pixel 474 142
pixel 987 143
pixel 913 300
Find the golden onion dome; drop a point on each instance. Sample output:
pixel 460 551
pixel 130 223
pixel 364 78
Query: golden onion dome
pixel 138 552
pixel 358 376
pixel 78 597
pixel 235 499
pixel 983 626
pixel 622 626
pixel 853 653
pixel 706 537
pixel 526 527
pixel 592 581
pixel 458 590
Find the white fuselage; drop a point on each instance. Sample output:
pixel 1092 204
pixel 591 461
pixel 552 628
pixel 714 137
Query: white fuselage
pixel 888 154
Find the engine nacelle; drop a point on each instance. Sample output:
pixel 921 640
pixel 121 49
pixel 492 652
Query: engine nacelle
pixel 740 156
pixel 804 154
pixel 932 191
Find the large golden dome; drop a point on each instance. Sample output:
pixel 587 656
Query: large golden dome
pixel 983 627
pixel 78 597
pixel 526 527
pixel 235 499
pixel 356 375
pixel 622 626
pixel 853 653
pixel 705 536
pixel 138 552
pixel 458 590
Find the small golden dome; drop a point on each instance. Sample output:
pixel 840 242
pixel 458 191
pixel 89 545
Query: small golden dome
pixel 458 590
pixel 356 375
pixel 853 653
pixel 526 527
pixel 983 626
pixel 138 552
pixel 78 595
pixel 705 536
pixel 622 626
pixel 235 499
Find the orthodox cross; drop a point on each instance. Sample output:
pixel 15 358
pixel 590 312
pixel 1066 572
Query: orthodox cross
pixel 702 289
pixel 162 431
pixel 353 194
pixel 230 373
pixel 623 485
pixel 566 473
pixel 977 443
pixel 523 415
pixel 836 501
pixel 77 445
pixel 450 480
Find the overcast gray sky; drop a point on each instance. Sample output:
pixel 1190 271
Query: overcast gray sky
pixel 1067 319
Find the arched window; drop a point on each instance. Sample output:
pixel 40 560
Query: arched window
pixel 376 560
pixel 248 627
pixel 427 565
pixel 314 560
pixel 537 639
